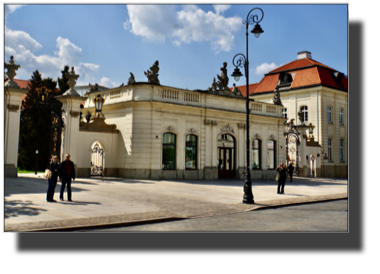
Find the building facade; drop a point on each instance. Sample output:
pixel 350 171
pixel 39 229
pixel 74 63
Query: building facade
pixel 171 133
pixel 312 93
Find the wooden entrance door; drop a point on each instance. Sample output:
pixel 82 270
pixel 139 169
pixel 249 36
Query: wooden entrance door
pixel 226 162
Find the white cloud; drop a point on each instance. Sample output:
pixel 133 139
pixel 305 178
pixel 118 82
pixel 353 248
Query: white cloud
pixel 190 24
pixel 221 8
pixel 265 68
pixel 8 9
pixel 68 51
pixel 24 48
pixel 107 82
pixel 14 39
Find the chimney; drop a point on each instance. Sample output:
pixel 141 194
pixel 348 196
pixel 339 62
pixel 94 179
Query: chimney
pixel 303 55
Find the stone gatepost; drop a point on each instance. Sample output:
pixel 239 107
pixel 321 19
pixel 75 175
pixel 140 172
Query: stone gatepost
pixel 12 104
pixel 71 101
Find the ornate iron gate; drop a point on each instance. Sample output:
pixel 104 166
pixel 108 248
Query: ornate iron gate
pixel 55 142
pixel 97 160
pixel 46 101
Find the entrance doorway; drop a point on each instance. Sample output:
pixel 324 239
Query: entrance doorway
pixel 97 160
pixel 226 156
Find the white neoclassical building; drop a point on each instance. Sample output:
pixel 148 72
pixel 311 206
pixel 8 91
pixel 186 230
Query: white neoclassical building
pixel 312 93
pixel 171 133
pixel 152 131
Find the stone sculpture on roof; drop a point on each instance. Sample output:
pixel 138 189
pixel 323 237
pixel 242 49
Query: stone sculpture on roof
pixel 152 74
pixel 221 87
pixel 131 79
pixel 276 98
pixel 223 78
pixel 236 91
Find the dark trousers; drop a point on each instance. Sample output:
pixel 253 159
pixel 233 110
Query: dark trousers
pixel 66 181
pixel 281 183
pixel 291 176
pixel 51 189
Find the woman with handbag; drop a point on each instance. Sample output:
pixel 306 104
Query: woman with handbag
pixel 54 168
pixel 281 178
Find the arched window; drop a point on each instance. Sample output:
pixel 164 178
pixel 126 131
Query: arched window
pixel 271 154
pixel 256 154
pixel 191 152
pixel 168 151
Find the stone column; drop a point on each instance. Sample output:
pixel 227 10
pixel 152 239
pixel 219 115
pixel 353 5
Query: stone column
pixel 12 104
pixel 71 101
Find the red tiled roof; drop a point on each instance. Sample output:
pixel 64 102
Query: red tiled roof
pixel 243 89
pixel 306 72
pixel 301 63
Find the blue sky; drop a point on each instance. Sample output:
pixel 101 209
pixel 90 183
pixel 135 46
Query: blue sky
pixel 106 42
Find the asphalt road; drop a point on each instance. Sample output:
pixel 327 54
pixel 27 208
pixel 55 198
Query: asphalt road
pixel 328 216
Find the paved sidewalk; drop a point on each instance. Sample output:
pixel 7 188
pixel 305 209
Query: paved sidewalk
pixel 107 201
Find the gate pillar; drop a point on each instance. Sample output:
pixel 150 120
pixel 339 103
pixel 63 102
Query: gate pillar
pixel 12 104
pixel 71 101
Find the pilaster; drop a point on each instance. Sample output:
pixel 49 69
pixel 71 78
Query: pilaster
pixel 12 105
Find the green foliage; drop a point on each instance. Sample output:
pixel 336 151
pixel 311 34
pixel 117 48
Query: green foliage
pixel 35 125
pixel 62 82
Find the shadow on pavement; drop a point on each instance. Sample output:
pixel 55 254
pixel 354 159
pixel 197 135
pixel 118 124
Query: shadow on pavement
pixel 240 183
pixel 79 203
pixel 17 208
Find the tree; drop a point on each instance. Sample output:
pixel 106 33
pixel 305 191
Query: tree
pixel 35 125
pixel 62 82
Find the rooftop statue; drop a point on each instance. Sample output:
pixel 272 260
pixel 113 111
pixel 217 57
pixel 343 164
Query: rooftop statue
pixel 131 79
pixel 223 78
pixel 276 98
pixel 213 87
pixel 236 91
pixel 152 74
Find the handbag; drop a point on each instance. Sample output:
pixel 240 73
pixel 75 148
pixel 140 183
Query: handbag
pixel 47 174
pixel 278 176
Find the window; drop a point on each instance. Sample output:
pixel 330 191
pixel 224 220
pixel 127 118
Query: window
pixel 330 150
pixel 341 116
pixel 329 115
pixel 284 113
pixel 341 151
pixel 168 151
pixel 271 154
pixel 304 114
pixel 191 152
pixel 256 154
pixel 285 78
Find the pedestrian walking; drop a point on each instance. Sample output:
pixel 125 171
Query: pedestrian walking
pixel 290 171
pixel 54 168
pixel 281 178
pixel 67 172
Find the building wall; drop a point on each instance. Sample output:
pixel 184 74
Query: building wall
pixel 143 113
pixel 108 141
pixel 317 99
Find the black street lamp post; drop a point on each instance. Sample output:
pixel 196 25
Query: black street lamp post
pixel 242 61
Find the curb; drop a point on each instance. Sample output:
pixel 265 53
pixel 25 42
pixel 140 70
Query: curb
pixel 107 225
pixel 168 219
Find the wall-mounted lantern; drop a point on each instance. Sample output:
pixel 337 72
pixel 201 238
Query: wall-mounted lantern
pixel 98 101
pixel 311 130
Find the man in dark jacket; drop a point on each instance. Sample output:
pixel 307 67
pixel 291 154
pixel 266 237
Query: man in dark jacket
pixel 290 171
pixel 67 172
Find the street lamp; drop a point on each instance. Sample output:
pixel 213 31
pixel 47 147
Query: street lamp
pixel 240 60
